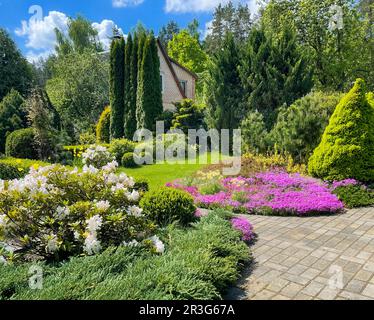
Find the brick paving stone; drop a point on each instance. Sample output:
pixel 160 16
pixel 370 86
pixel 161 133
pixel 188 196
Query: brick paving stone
pixel 298 258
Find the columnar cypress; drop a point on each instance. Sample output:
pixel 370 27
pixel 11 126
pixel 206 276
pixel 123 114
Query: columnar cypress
pixel 139 88
pixel 149 99
pixel 128 117
pixel 117 90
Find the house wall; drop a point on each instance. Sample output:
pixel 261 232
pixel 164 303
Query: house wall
pixel 171 91
pixel 184 75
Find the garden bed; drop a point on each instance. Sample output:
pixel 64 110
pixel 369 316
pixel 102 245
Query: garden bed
pixel 269 193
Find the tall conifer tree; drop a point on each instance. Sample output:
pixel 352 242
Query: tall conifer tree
pixel 117 90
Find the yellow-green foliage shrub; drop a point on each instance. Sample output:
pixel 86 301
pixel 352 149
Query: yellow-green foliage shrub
pixel 103 127
pixel 347 146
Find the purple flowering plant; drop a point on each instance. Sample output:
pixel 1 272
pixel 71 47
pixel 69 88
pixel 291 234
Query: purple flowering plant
pixel 277 193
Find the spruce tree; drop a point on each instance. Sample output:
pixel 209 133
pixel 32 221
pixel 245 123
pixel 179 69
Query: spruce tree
pixel 274 73
pixel 224 103
pixel 117 90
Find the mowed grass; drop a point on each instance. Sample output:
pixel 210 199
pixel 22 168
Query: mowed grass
pixel 161 173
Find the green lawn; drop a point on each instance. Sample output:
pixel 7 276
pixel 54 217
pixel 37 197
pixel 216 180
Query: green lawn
pixel 161 173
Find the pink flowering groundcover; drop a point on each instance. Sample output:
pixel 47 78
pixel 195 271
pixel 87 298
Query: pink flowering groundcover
pixel 276 193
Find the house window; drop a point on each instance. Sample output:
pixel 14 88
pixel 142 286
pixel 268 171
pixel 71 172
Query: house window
pixel 183 84
pixel 162 83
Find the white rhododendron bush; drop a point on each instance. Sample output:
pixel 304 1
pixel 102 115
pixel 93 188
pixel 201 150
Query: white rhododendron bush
pixel 54 213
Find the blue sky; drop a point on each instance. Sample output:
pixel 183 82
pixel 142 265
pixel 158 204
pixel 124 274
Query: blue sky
pixel 33 31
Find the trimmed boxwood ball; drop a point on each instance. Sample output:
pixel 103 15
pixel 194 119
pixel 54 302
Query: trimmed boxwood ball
pixel 167 205
pixel 103 127
pixel 20 144
pixel 128 160
pixel 347 146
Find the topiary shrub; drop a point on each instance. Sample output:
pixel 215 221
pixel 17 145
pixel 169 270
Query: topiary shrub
pixel 128 160
pixel 167 205
pixel 347 146
pixel 118 147
pixel 20 144
pixel 103 127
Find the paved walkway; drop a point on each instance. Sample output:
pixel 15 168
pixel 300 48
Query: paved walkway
pixel 329 257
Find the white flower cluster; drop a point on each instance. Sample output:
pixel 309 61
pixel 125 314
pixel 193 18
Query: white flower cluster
pixel 35 182
pixel 96 156
pixel 102 205
pixel 135 211
pixel 159 245
pixel 62 212
pixel 52 243
pixel 92 244
pixel 3 220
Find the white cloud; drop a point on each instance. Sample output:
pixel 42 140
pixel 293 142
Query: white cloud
pixel 182 6
pixel 105 31
pixel 126 3
pixel 41 38
pixel 41 33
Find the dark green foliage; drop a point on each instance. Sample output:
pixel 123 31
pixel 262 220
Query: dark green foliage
pixel 254 134
pixel 117 90
pixel 149 98
pixel 347 146
pixel 188 115
pixel 167 117
pixel 130 91
pixel 21 144
pixel 103 127
pixel 299 127
pixel 10 171
pixel 128 160
pixel 119 147
pixel 274 72
pixel 142 185
pixel 45 122
pixel 167 32
pixel 15 71
pixel 199 263
pixel 12 115
pixel 167 205
pixel 226 95
pixel 355 196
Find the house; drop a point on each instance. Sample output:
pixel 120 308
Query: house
pixel 178 82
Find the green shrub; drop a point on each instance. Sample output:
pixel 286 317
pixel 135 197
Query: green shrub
pixel 103 127
pixel 199 263
pixel 299 127
pixel 347 146
pixel 20 144
pixel 118 147
pixel 12 115
pixel 354 196
pixel 254 133
pixel 188 115
pixel 10 171
pixel 167 205
pixel 128 160
pixel 142 185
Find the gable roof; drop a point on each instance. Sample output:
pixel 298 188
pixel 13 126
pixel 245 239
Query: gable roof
pixel 170 62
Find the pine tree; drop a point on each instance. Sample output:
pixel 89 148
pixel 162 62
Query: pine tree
pixel 117 90
pixel 149 98
pixel 224 104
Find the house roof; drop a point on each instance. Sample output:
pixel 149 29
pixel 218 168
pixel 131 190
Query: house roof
pixel 170 62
